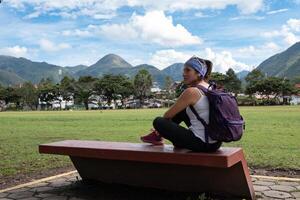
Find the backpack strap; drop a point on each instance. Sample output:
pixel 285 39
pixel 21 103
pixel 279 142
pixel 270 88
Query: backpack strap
pixel 202 121
pixel 202 88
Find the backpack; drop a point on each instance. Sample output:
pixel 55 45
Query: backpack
pixel 225 122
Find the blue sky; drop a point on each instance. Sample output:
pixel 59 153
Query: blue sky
pixel 233 33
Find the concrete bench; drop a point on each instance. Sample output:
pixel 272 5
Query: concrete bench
pixel 224 172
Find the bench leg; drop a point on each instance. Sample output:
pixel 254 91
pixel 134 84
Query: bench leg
pixel 234 181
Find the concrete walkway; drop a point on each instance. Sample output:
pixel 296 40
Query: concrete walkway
pixel 69 186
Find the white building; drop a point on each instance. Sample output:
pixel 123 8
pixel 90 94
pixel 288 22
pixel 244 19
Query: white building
pixel 295 100
pixel 155 87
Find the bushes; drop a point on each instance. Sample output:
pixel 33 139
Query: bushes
pixel 252 101
pixel 246 101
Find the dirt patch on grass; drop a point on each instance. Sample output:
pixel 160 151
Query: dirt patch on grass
pixel 290 173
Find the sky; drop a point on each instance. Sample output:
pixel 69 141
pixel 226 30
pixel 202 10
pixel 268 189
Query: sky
pixel 232 34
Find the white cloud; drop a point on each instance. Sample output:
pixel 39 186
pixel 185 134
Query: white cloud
pixel 118 31
pixel 156 27
pixel 254 17
pixel 77 32
pixel 33 15
pixel 17 51
pixel 222 61
pixel 68 9
pixel 153 27
pixel 269 48
pixel 288 32
pixel 294 24
pixel 164 58
pixel 272 12
pixel 245 7
pixel 47 45
pixel 201 15
pixel 297 1
pixel 106 9
pixel 255 54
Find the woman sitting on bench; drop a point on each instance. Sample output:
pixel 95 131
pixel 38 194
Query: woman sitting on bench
pixel 196 72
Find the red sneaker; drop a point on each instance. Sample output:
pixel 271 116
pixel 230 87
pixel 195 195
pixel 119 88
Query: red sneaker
pixel 153 138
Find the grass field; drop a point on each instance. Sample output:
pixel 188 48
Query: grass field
pixel 271 140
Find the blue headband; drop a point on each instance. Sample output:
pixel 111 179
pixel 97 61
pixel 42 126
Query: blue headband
pixel 197 64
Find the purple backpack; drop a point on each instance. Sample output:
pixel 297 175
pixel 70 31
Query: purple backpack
pixel 225 122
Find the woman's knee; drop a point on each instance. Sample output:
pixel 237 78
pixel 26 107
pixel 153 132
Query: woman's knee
pixel 157 122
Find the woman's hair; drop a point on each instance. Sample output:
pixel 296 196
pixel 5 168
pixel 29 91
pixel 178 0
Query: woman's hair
pixel 209 65
pixel 202 66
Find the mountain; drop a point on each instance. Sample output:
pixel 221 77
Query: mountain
pixel 75 69
pixel 242 74
pixel 17 70
pixel 284 64
pixel 22 68
pixel 105 65
pixel 115 64
pixel 175 71
pixel 9 78
pixel 157 75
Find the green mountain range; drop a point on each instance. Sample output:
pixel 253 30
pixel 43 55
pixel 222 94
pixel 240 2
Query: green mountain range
pixel 284 64
pixel 174 71
pixel 107 64
pixel 18 70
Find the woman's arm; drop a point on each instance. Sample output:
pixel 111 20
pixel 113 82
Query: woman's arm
pixel 187 97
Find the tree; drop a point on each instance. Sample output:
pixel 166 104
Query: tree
pixel 2 97
pixel 219 79
pixel 66 89
pixel 142 85
pixel 287 89
pixel 252 79
pixel 126 89
pixel 296 80
pixel 232 83
pixel 254 76
pixel 273 86
pixel 83 90
pixel 2 92
pixel 11 95
pixel 180 88
pixel 108 86
pixel 47 92
pixel 168 84
pixel 114 87
pixel 29 95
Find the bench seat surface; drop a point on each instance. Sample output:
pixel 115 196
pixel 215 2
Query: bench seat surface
pixel 224 157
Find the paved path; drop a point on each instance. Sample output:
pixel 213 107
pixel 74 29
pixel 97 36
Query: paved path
pixel 70 187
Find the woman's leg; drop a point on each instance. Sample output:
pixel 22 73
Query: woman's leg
pixel 155 138
pixel 180 136
pixel 182 116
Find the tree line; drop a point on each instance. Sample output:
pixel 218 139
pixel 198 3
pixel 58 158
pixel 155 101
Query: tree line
pixel 269 88
pixel 119 87
pixel 110 87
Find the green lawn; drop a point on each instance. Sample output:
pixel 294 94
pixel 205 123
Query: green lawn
pixel 272 137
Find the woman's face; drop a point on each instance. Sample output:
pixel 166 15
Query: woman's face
pixel 190 76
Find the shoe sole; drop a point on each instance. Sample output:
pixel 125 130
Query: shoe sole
pixel 152 142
